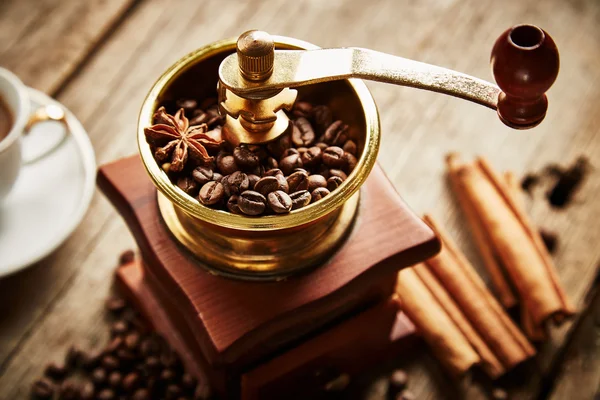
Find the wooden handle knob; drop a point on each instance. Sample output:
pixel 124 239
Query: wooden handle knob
pixel 525 64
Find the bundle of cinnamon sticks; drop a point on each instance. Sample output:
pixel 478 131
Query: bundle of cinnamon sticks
pixel 458 316
pixel 512 250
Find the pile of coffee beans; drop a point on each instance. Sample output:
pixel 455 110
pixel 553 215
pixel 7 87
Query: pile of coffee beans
pixel 136 364
pixel 293 171
pixel 398 381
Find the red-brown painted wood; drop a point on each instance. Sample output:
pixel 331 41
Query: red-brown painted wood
pixel 525 64
pixel 237 324
pixel 377 334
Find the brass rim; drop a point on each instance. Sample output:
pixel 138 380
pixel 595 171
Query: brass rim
pixel 265 223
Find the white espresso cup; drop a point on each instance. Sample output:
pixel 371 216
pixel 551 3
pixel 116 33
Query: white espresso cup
pixel 15 96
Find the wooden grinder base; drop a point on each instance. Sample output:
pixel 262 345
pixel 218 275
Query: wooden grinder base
pixel 269 339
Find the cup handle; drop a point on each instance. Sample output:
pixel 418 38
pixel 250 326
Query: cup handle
pixel 48 112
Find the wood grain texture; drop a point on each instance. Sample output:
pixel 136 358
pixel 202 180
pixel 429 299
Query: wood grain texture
pixel 44 42
pixel 59 300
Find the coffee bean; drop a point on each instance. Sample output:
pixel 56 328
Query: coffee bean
pixel 188 185
pixel 311 157
pixel 338 384
pixel 90 361
pixel 69 390
pixel 323 170
pixel 232 205
pixel 110 362
pixel 321 145
pixel 289 152
pixel 214 117
pixel 106 394
pixel 350 147
pixel 74 357
pixel 279 145
pixel 99 376
pixel 245 158
pixel 115 304
pixel 208 102
pixel 302 109
pixel 173 392
pixel 267 185
pixel 318 194
pixel 398 380
pixel 43 389
pixel 273 172
pixel 188 381
pixel 87 391
pixel 302 133
pixel 300 199
pixel 322 117
pixel 252 203
pixel 336 134
pixel 152 364
pixel 212 193
pixel 132 340
pixel 55 372
pixel 126 357
pixel 334 182
pixel 499 394
pixel 114 344
pixel 235 183
pixel 114 379
pixel 405 395
pixel 131 381
pixel 189 105
pixel 119 328
pixel 141 394
pixel 283 183
pixel 198 117
pixel 202 175
pixel 290 162
pixel 349 162
pixel 150 346
pixel 260 151
pixel 316 181
pixel 280 202
pixel 252 179
pixel 339 173
pixel 271 163
pixel 167 375
pixel 333 157
pixel 297 181
pixel 217 177
pixel 227 165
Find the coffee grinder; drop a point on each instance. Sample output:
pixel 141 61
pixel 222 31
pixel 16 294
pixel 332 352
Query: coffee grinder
pixel 295 305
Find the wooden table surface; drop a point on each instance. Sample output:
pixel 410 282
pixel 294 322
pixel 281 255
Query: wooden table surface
pixel 100 57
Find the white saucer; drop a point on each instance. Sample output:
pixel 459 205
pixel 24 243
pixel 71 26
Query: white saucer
pixel 51 195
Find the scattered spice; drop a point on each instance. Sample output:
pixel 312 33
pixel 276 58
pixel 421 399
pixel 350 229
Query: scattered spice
pixel 136 364
pixel 176 140
pixel 499 394
pixel 569 180
pixel 550 240
pixel 528 182
pixel 397 381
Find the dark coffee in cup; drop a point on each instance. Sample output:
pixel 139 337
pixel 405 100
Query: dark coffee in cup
pixel 6 119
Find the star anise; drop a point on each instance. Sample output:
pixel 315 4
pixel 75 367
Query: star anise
pixel 173 137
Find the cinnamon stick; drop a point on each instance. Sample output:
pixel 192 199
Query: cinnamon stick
pixel 489 361
pixel 446 340
pixel 534 332
pixel 497 274
pixel 474 299
pixel 516 244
